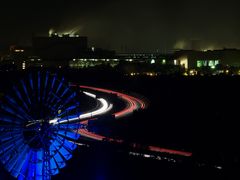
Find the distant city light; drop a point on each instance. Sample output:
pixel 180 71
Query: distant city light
pixel 50 32
pixel 218 167
pixel 18 50
pixel 23 65
pixel 146 155
pixel 210 63
pixel 153 61
pixel 213 67
pixel 184 62
pixel 175 62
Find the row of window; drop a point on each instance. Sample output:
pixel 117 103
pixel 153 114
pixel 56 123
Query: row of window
pixel 205 63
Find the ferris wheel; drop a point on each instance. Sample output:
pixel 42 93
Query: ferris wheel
pixel 36 136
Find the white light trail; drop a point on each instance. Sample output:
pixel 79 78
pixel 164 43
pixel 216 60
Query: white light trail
pixel 104 107
pixel 90 94
pixel 102 110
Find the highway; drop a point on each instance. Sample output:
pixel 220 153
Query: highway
pixel 132 104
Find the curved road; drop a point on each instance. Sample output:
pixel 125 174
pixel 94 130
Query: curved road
pixel 133 104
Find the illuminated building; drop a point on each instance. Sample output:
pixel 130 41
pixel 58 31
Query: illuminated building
pixel 59 47
pixel 197 59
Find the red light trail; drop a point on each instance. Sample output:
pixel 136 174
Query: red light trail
pixel 133 104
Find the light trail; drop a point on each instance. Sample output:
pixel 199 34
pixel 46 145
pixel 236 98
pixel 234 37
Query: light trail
pixel 104 107
pixel 170 151
pixel 102 110
pixel 133 104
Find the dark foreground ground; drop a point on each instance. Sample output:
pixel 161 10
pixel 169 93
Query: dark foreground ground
pixel 197 114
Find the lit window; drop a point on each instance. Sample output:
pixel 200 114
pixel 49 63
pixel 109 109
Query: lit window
pixel 199 64
pixel 205 63
pixel 23 65
pixel 211 63
pixel 175 62
pixel 164 61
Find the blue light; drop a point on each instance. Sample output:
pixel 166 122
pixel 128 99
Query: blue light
pixel 26 93
pixel 45 86
pixel 20 97
pixel 31 147
pixel 39 83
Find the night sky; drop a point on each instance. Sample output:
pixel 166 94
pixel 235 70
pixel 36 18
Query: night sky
pixel 126 24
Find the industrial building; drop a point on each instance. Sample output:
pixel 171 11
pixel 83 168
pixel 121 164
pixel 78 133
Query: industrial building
pixel 196 59
pixel 59 47
pixel 72 51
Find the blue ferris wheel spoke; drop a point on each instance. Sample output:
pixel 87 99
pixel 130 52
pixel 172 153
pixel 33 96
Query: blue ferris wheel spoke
pixel 65 153
pixel 67 144
pixel 17 163
pixel 72 127
pixel 17 108
pixel 60 85
pixel 39 85
pixel 25 165
pixel 53 167
pixel 31 147
pixel 55 98
pixel 7 149
pixel 11 153
pixel 31 81
pixel 11 119
pixel 59 160
pixel 9 135
pixel 5 146
pixel 26 92
pixel 52 85
pixel 39 164
pixel 9 128
pixel 20 97
pixel 65 92
pixel 45 85
pixel 68 99
pixel 71 107
pixel 62 150
pixel 12 112
pixel 69 134
pixel 32 166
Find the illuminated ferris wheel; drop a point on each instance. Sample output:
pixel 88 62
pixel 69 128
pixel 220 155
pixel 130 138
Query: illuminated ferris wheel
pixel 36 137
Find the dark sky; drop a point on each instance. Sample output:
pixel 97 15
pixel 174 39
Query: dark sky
pixel 135 24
